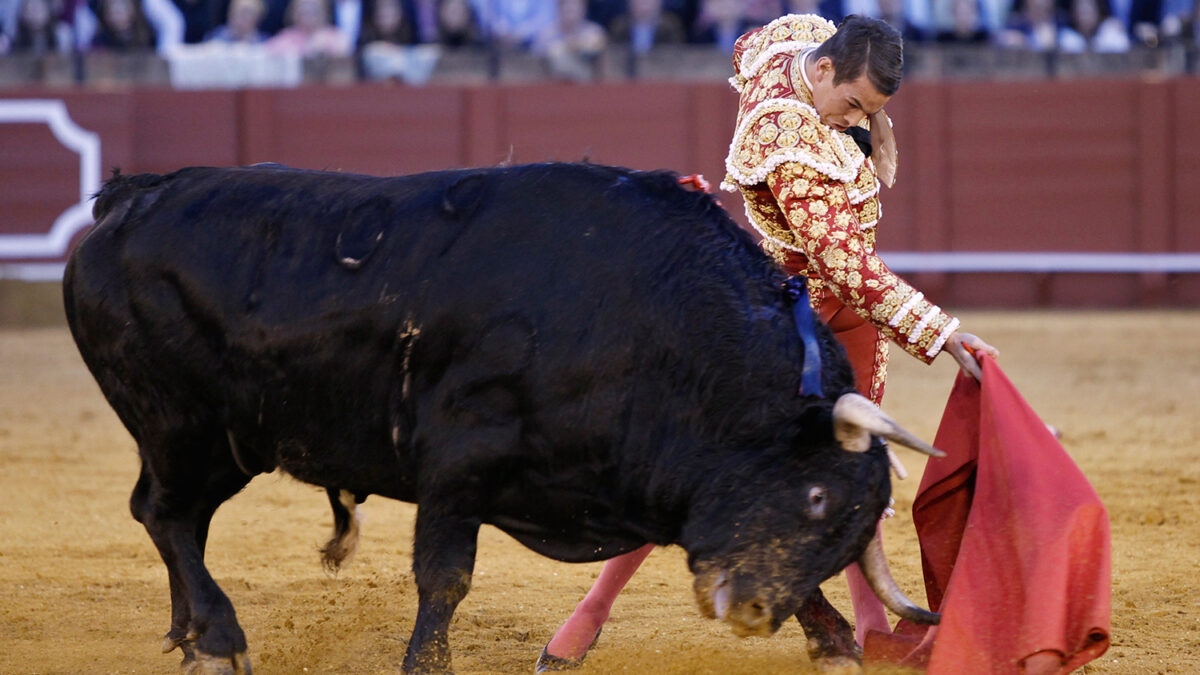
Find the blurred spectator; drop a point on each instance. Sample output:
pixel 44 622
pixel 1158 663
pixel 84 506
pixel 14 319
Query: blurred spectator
pixel 388 49
pixel 123 27
pixel 458 25
pixel 423 15
pixel 966 25
pixel 834 10
pixel 1032 25
pixel 721 23
pixel 200 17
pixel 514 23
pixel 9 9
pixel 754 12
pixel 573 44
pixel 860 7
pixel 80 23
pixel 309 32
pixel 603 11
pixel 387 23
pixel 896 13
pixel 241 25
pixel 801 7
pixel 38 30
pixel 163 16
pixel 167 22
pixel 1092 28
pixel 1139 18
pixel 348 16
pixel 276 16
pixel 1179 21
pixel 646 25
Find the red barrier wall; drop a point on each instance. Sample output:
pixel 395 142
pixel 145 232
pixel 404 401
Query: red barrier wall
pixel 1082 166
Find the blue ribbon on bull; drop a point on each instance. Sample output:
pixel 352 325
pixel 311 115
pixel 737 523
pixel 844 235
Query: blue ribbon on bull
pixel 806 326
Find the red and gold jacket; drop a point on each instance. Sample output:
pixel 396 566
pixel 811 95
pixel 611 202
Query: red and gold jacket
pixel 811 192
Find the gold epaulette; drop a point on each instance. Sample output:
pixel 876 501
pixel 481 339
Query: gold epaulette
pixel 789 34
pixel 782 130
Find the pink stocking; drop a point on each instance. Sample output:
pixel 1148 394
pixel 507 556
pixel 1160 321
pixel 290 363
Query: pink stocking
pixel 575 636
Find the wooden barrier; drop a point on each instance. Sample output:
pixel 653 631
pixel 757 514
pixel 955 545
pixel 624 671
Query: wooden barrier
pixel 1090 166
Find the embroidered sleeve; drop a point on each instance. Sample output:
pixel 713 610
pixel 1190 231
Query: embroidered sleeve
pixel 819 212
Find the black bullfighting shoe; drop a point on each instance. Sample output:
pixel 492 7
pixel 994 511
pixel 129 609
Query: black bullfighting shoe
pixel 548 662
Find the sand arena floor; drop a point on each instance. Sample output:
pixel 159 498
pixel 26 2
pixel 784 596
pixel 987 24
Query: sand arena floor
pixel 82 589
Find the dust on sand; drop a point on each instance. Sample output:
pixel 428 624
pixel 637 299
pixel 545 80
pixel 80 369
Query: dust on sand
pixel 82 589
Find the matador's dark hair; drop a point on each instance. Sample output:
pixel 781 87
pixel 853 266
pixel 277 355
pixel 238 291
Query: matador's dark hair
pixel 865 44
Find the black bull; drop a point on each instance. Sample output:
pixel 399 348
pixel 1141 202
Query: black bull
pixel 588 358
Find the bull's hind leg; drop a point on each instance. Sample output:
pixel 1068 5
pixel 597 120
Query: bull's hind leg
pixel 180 487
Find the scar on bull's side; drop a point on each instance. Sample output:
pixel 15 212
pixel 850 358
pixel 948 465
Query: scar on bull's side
pixel 464 195
pixel 460 201
pixel 407 339
pixel 362 232
pixel 400 418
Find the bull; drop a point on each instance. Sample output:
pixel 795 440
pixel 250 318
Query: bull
pixel 589 358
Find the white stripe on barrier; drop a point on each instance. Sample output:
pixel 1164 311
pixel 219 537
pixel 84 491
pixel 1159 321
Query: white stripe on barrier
pixel 1103 263
pixel 32 271
pixel 53 113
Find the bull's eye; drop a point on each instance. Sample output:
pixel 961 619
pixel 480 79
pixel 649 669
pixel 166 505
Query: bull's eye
pixel 816 502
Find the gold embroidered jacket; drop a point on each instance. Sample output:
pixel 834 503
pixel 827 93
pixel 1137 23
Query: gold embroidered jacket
pixel 812 194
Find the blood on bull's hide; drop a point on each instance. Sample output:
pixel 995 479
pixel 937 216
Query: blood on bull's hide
pixel 589 358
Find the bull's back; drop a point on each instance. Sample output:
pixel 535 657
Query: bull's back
pixel 271 246
pixel 254 240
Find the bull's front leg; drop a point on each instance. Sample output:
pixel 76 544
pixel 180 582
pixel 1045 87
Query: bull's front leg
pixel 443 561
pixel 830 639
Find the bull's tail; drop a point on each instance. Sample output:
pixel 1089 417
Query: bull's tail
pixel 340 549
pixel 119 190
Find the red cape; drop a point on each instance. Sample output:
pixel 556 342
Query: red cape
pixel 1014 543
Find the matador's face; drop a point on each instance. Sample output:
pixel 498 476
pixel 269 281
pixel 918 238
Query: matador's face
pixel 843 105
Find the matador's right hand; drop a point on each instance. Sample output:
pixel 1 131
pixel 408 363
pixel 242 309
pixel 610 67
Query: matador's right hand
pixel 966 348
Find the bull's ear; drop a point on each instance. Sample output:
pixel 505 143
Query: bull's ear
pixel 856 418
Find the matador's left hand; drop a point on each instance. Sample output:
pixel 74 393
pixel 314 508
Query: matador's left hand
pixel 965 348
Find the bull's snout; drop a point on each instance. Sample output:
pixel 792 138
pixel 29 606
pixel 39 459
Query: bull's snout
pixel 748 614
pixel 750 618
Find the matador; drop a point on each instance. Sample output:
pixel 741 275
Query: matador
pixel 812 193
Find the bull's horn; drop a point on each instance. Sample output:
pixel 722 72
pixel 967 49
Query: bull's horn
pixel 875 569
pixel 855 418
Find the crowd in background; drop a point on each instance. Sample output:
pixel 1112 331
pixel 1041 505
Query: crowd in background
pixel 570 29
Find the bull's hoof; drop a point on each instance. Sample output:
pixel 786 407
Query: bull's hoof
pixel 170 643
pixel 828 658
pixel 199 663
pixel 838 665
